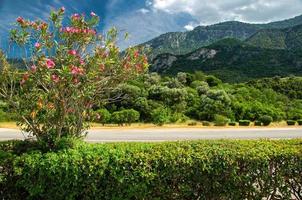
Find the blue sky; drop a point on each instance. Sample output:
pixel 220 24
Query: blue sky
pixel 146 19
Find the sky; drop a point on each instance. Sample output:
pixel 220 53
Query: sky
pixel 146 19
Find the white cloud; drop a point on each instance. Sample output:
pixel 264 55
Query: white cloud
pixel 209 11
pixel 189 27
pixel 144 10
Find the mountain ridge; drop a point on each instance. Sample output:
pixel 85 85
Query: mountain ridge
pixel 184 42
pixel 232 60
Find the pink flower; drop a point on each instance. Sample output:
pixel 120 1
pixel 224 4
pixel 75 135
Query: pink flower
pixel 20 20
pixel 72 52
pixel 82 62
pixel 24 79
pixel 37 45
pixel 92 14
pixel 76 70
pixel 55 78
pixel 75 16
pixel 33 68
pixel 136 54
pixel 50 64
pixel 62 9
pixel 76 81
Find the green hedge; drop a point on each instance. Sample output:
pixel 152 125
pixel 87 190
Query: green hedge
pixel 223 169
pixel 232 123
pixel 244 122
pixel 258 123
pixel 291 122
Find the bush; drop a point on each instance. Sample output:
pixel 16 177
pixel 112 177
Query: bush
pixel 300 122
pixel 179 170
pixel 192 124
pixel 232 123
pixel 266 120
pixel 103 116
pixel 258 123
pixel 206 123
pixel 70 67
pixel 244 122
pixel 220 120
pixel 125 117
pixel 160 116
pixel 291 122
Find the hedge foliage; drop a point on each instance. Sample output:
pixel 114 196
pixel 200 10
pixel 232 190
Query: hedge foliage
pixel 244 122
pixel 225 169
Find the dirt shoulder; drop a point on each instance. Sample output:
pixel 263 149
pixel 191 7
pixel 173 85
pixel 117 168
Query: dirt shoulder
pixel 95 126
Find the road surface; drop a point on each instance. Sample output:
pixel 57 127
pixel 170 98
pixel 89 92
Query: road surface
pixel 173 134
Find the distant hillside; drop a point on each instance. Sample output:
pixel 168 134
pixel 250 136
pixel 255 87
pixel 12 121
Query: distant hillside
pixel 233 61
pixel 289 38
pixel 184 42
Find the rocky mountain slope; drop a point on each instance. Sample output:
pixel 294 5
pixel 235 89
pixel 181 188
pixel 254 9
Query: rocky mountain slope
pixel 233 61
pixel 184 42
pixel 289 38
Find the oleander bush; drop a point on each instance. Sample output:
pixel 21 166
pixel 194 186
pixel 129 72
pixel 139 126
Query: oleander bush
pixel 244 122
pixel 70 68
pixel 225 169
pixel 291 122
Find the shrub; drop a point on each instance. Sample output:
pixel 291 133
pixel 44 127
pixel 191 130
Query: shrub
pixel 178 170
pixel 291 122
pixel 266 120
pixel 244 122
pixel 232 123
pixel 160 116
pixel 206 123
pixel 125 117
pixel 192 124
pixel 258 123
pixel 70 69
pixel 300 122
pixel 103 116
pixel 220 120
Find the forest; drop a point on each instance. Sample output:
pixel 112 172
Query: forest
pixel 163 99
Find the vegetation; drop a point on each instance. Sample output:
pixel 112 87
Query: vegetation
pixel 288 38
pixel 185 42
pixel 159 99
pixel 291 122
pixel 232 61
pixel 266 120
pixel 181 170
pixel 71 69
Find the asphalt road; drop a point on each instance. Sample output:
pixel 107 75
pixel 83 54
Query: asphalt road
pixel 173 134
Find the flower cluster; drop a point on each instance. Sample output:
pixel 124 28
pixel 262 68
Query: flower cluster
pixel 50 64
pixel 76 70
pixel 74 30
pixel 36 25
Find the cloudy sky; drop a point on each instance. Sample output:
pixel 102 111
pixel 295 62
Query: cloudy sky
pixel 145 19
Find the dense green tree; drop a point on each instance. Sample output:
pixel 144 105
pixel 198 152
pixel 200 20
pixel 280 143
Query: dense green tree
pixel 127 116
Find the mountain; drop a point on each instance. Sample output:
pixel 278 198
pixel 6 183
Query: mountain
pixel 232 60
pixel 288 38
pixel 184 42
